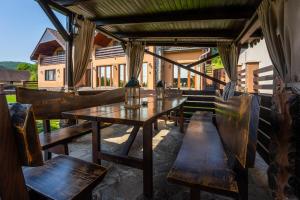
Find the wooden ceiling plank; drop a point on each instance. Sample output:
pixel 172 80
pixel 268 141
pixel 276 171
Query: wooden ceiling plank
pixel 188 15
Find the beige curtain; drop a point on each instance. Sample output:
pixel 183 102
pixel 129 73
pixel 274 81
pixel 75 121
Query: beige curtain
pixel 280 25
pixel 83 46
pixel 229 55
pixel 134 58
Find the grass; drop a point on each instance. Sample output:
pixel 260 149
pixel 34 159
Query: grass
pixel 11 98
pixel 54 124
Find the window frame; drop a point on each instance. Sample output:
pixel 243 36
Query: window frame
pixel 47 77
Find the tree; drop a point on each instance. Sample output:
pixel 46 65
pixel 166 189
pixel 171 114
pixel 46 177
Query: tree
pixel 29 67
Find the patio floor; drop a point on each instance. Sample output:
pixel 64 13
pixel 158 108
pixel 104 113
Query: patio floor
pixel 125 183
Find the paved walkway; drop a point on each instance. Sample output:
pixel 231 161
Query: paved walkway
pixel 125 183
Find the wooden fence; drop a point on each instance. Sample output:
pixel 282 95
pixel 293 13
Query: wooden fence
pixel 10 87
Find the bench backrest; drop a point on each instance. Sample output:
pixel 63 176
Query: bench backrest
pixel 237 121
pixel 50 104
pixel 12 184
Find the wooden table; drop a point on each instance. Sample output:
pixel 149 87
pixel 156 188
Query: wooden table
pixel 143 117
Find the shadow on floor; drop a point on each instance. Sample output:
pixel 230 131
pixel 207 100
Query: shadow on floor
pixel 125 183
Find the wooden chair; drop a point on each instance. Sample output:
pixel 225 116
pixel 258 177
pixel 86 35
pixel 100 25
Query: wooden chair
pixel 63 177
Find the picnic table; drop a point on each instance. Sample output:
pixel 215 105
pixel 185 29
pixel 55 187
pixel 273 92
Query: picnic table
pixel 143 117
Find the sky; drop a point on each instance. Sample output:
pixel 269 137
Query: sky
pixel 22 23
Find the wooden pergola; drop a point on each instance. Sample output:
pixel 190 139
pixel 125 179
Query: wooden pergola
pixel 168 23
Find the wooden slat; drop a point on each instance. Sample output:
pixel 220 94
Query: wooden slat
pixel 265 126
pixel 199 104
pixel 263 138
pixel 266 87
pixel 264 69
pixel 201 98
pixel 265 113
pixel 198 92
pixel 263 152
pixel 264 78
pixel 266 100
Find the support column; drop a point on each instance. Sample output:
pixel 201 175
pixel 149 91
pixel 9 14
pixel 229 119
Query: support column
pixel 69 52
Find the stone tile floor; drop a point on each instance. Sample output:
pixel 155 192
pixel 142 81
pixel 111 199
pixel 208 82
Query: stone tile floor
pixel 125 183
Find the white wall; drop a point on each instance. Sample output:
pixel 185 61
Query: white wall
pixel 257 53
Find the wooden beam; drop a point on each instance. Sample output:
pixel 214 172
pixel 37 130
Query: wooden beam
pixel 69 54
pixel 203 60
pixel 58 8
pixel 201 33
pixel 45 6
pixel 177 16
pixel 185 67
pixel 192 43
pixel 109 34
pixel 249 29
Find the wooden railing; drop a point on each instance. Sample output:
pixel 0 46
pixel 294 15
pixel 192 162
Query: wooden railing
pixel 109 52
pixel 258 78
pixel 241 80
pixel 264 127
pixel 50 60
pixel 10 87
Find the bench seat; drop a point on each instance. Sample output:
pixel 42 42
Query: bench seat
pixel 66 135
pixel 202 162
pixel 64 177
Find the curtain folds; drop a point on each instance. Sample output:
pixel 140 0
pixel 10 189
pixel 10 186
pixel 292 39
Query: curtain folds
pixel 280 25
pixel 134 58
pixel 83 46
pixel 229 54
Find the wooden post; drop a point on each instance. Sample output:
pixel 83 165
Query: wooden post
pixel 249 79
pixel 69 52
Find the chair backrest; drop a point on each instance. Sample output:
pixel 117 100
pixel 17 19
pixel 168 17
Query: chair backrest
pixel 237 122
pixel 12 183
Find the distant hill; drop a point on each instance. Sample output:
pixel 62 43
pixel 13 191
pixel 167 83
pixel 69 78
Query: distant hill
pixel 9 64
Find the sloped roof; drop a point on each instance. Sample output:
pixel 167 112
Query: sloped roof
pixel 7 75
pixel 48 43
pixel 51 40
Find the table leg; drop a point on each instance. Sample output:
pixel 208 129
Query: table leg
pixel 96 144
pixel 181 119
pixel 147 160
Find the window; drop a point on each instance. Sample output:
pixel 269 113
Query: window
pixel 183 78
pixel 175 76
pixel 50 75
pixel 122 75
pixel 104 76
pixel 143 77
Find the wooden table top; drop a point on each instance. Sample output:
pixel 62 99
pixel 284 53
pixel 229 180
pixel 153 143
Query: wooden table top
pixel 117 113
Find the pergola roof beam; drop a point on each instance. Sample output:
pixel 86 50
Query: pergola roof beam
pixel 49 12
pixel 208 33
pixel 249 29
pixel 188 15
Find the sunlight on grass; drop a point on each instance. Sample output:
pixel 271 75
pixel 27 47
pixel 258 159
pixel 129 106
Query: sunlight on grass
pixel 54 124
pixel 11 98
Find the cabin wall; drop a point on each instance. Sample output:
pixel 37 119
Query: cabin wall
pixel 185 58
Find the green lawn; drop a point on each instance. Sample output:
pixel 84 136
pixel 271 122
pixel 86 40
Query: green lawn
pixel 11 98
pixel 54 123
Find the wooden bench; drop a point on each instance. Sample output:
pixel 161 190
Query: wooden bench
pixel 48 106
pixel 63 177
pixel 217 150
